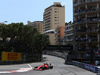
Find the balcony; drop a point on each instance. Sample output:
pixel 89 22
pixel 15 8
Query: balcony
pixel 83 2
pixel 86 40
pixel 87 30
pixel 69 30
pixel 93 20
pixel 69 34
pixel 68 40
pixel 85 11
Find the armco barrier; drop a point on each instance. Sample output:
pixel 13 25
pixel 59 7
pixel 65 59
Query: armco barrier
pixel 58 54
pixel 98 71
pixel 91 68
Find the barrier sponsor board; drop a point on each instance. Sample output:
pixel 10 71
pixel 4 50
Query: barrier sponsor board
pixel 11 56
pixel 86 66
pixel 91 68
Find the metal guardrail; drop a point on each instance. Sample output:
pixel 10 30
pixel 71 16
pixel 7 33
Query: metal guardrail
pixel 89 67
pixel 58 54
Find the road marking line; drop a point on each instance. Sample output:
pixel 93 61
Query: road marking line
pixel 30 66
pixel 15 71
pixel 20 70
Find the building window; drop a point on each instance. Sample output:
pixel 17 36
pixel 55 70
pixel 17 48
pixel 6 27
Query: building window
pixel 56 11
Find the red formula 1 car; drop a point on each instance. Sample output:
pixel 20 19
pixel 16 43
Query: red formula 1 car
pixel 43 67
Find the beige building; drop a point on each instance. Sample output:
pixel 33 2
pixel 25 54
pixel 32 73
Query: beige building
pixel 37 24
pixel 54 16
pixel 51 34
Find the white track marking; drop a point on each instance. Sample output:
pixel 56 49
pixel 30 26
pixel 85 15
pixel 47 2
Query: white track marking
pixel 4 72
pixel 20 70
pixel 30 66
pixel 15 71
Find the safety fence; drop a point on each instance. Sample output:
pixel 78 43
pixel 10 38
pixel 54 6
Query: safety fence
pixel 89 67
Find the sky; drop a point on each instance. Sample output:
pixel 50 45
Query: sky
pixel 16 11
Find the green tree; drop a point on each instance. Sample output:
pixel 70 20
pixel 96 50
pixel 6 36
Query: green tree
pixel 24 39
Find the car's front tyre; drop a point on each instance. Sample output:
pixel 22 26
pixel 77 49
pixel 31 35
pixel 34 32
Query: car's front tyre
pixel 51 67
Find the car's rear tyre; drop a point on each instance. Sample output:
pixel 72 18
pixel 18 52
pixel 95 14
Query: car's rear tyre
pixel 51 67
pixel 42 68
pixel 36 67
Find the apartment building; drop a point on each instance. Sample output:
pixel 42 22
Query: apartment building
pixel 86 20
pixel 53 17
pixel 68 37
pixel 37 24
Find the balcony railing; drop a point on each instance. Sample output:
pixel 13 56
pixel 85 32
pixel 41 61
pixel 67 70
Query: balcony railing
pixel 69 29
pixel 86 11
pixel 69 40
pixel 69 34
pixel 87 20
pixel 85 2
pixel 87 30
pixel 86 40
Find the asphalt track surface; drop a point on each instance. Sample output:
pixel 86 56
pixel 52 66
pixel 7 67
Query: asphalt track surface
pixel 59 68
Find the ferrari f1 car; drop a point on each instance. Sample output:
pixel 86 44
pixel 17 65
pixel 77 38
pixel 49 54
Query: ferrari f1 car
pixel 43 67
